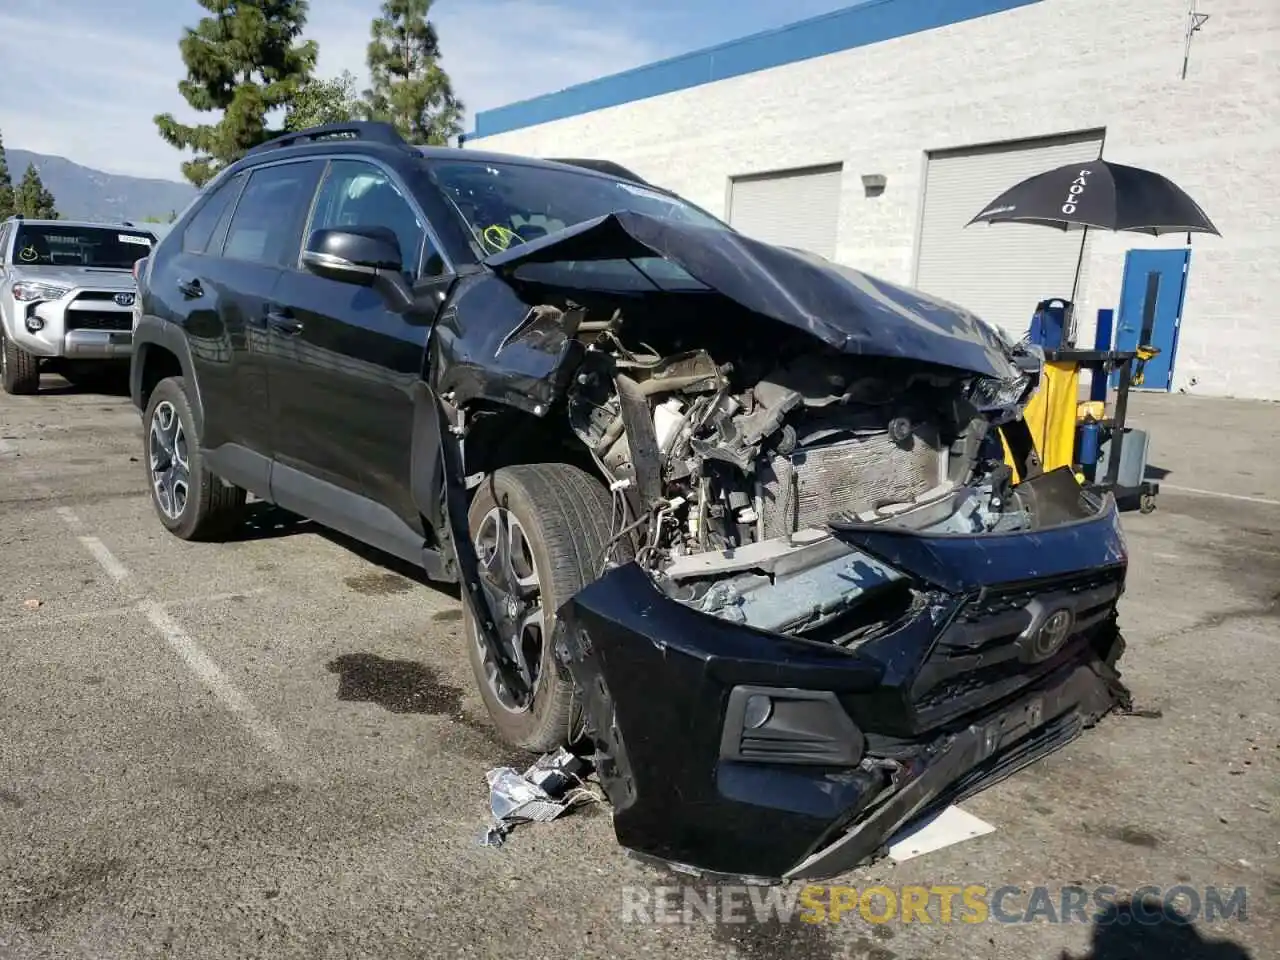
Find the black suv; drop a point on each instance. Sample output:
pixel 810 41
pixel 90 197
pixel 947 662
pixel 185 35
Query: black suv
pixel 765 531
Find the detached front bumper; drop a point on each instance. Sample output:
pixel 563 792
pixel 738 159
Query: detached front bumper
pixel 854 743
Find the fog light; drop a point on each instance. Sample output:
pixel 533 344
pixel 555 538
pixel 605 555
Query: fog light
pixel 35 324
pixel 757 711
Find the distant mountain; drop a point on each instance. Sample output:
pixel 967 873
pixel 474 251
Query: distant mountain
pixel 85 194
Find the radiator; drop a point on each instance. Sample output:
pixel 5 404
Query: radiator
pixel 811 485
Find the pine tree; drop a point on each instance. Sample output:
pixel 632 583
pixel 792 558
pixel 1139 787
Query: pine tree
pixel 7 205
pixel 31 198
pixel 410 90
pixel 245 61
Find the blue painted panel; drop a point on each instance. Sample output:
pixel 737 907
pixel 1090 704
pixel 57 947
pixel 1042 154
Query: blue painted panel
pixel 1151 309
pixel 871 22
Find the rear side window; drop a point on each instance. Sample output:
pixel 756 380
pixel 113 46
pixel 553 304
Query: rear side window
pixel 198 233
pixel 4 242
pixel 267 224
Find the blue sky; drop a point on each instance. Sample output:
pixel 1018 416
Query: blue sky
pixel 83 78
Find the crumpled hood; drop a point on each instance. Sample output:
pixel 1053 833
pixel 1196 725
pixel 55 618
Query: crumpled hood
pixel 844 308
pixel 93 278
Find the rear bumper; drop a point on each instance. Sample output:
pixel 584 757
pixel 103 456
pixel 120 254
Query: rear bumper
pixel 889 731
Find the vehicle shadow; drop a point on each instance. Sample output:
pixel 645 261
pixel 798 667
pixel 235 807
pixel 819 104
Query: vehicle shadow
pixel 1156 473
pixel 266 521
pixel 1149 929
pixel 103 385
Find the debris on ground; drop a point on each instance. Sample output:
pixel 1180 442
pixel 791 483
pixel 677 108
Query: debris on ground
pixel 553 786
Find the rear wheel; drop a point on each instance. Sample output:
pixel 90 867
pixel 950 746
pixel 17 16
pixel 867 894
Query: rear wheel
pixel 539 531
pixel 191 502
pixel 19 370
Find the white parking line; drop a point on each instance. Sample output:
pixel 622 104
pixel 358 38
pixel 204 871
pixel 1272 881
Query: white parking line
pixel 115 569
pixel 1218 493
pixel 208 672
pixel 184 645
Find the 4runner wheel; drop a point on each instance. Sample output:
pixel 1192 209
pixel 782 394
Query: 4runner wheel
pixel 19 370
pixel 539 531
pixel 191 502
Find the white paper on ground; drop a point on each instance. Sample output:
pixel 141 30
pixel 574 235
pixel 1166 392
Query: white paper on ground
pixel 943 829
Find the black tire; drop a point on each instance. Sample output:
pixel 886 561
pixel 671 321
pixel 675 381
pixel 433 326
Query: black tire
pixel 21 370
pixel 564 512
pixel 210 509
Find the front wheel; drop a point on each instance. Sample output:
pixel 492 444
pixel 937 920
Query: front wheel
pixel 191 502
pixel 539 531
pixel 19 370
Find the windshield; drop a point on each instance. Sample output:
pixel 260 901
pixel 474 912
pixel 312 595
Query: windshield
pixel 505 204
pixel 55 245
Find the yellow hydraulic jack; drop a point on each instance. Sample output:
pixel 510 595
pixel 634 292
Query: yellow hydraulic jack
pixel 1046 437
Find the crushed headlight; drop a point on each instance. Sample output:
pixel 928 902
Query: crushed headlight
pixel 989 393
pixel 995 394
pixel 27 290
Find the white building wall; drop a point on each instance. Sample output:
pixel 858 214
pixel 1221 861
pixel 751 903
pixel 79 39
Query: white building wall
pixel 1048 68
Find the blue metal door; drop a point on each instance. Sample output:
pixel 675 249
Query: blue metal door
pixel 1151 310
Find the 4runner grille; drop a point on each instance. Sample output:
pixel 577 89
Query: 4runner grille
pixel 99 320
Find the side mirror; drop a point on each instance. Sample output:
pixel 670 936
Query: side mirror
pixel 352 256
pixel 366 256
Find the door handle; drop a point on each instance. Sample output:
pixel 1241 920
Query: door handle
pixel 282 321
pixel 191 289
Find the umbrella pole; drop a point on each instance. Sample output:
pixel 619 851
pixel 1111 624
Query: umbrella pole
pixel 1070 339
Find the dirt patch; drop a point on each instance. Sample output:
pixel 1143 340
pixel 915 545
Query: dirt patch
pixel 379 584
pixel 1133 836
pixel 40 903
pixel 11 800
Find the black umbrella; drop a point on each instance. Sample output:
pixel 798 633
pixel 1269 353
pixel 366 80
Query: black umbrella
pixel 1101 195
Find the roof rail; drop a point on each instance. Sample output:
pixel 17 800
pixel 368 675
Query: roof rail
pixel 602 166
pixel 371 130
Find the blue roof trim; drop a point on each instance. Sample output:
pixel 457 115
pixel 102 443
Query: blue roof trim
pixel 871 22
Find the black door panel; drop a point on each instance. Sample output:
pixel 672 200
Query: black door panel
pixel 342 388
pixel 344 367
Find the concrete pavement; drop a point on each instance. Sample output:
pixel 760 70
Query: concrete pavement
pixel 273 747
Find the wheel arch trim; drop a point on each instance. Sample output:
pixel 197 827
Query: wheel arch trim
pixel 153 331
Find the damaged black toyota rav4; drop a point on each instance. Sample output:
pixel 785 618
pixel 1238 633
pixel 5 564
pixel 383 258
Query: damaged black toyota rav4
pixel 765 533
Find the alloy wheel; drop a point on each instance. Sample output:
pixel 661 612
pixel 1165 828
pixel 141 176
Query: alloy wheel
pixel 170 467
pixel 509 578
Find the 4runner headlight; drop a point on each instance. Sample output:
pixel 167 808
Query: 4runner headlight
pixel 27 290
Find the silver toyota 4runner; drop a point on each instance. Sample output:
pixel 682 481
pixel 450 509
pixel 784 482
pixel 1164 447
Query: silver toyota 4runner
pixel 66 297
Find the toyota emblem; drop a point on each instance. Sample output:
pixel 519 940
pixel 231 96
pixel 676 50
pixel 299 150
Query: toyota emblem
pixel 124 299
pixel 1051 636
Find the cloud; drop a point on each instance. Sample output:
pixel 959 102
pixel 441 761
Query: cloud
pixel 500 51
pixel 91 96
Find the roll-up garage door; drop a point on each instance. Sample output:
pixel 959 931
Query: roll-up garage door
pixel 999 271
pixel 795 208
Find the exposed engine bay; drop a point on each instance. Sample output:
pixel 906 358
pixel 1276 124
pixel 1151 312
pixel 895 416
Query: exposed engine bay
pixel 727 470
